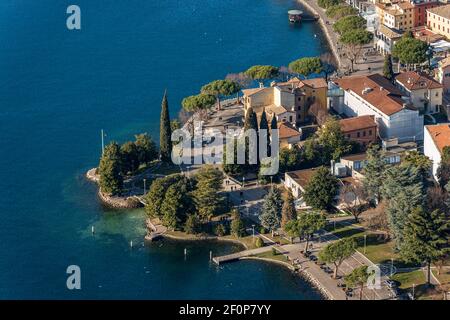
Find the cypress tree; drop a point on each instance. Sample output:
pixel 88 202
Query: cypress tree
pixel 288 211
pixel 165 133
pixel 388 71
pixel 273 123
pixel 271 211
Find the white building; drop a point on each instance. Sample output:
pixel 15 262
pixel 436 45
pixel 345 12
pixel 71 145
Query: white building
pixel 436 137
pixel 375 95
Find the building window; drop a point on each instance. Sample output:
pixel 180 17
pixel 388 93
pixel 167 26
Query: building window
pixel 358 134
pixel 364 133
pixel 370 132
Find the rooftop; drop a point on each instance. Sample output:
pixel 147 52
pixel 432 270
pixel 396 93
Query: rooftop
pixel 286 130
pixel 417 80
pixel 376 90
pixel 440 134
pixel 313 83
pixel 357 123
pixel 442 11
pixel 302 177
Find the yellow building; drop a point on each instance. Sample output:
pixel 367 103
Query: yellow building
pixel 290 100
pixel 396 15
pixel 438 20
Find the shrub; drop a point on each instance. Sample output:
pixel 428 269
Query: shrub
pixel 220 230
pixel 274 252
pixel 259 242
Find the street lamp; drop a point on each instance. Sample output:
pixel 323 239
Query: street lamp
pixel 413 291
pixel 365 241
pixel 253 229
pixel 145 180
pixel 243 182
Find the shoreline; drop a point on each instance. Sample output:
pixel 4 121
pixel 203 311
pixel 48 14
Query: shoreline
pixel 326 29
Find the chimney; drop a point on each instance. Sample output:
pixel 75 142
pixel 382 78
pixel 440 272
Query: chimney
pixel 381 88
pixel 261 85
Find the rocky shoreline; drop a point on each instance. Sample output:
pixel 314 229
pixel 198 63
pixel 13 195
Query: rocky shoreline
pixel 113 201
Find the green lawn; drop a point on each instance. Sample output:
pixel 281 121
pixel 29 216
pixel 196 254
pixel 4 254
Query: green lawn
pixel 407 279
pixel 444 277
pixel 270 255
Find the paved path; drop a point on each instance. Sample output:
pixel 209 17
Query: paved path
pixel 368 65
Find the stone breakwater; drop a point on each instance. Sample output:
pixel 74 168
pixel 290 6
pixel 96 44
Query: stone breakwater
pixel 331 36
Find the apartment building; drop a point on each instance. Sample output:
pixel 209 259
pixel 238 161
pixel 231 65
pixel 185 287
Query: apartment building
pixel 438 20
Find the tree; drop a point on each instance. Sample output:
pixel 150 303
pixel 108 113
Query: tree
pixel 409 50
pixel 321 189
pixel 327 59
pixel 306 225
pixel 340 10
pixel 353 42
pixel 349 23
pixel 129 157
pixel 146 148
pixel 443 171
pixel 328 3
pixel 250 120
pixel 376 219
pixel 264 125
pixel 206 195
pixel 271 211
pixel 354 197
pixel 421 162
pixel 220 230
pixel 220 88
pixel 260 73
pixel 426 237
pixel 374 172
pixel 165 134
pixel 229 166
pixel 402 188
pixel 288 211
pixel 237 225
pixel 337 252
pixel 388 71
pixel 358 277
pixel 333 142
pixel 157 193
pixel 110 167
pixel 177 204
pixel 192 225
pixel 306 66
pixel 198 103
pixel 290 159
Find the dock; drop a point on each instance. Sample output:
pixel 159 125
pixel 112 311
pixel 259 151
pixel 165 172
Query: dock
pixel 242 254
pixel 156 232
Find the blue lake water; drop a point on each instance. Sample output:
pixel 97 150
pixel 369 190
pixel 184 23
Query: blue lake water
pixel 58 88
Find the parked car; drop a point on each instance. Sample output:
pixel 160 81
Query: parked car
pixel 312 258
pixel 391 284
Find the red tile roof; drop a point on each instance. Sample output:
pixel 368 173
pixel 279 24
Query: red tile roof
pixel 376 90
pixel 357 123
pixel 440 134
pixel 286 130
pixel 417 80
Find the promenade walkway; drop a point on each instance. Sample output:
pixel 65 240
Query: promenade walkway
pixel 371 63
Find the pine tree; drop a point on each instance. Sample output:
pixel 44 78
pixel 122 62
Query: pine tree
pixel 207 197
pixel 373 172
pixel 388 71
pixel 403 190
pixel 288 211
pixel 110 167
pixel 426 237
pixel 321 189
pixel 271 211
pixel 165 135
pixel 274 123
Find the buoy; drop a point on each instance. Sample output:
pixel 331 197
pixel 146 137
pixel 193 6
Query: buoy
pixel 185 252
pixel 210 255
pixel 131 243
pixel 93 229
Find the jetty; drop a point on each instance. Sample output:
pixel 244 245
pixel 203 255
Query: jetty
pixel 155 231
pixel 297 16
pixel 239 255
